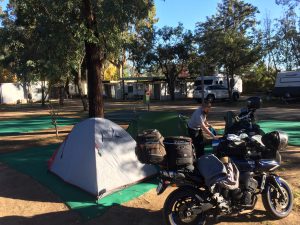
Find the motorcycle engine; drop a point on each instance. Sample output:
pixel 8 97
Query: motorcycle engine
pixel 248 187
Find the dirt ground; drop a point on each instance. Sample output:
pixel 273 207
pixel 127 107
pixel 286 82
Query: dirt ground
pixel 24 201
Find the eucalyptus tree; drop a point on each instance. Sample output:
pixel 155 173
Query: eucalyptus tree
pixel 167 49
pixel 287 40
pixel 105 20
pixel 16 47
pixel 229 38
pixel 38 46
pixel 60 29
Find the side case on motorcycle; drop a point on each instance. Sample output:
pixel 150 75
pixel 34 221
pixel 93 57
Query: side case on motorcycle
pixel 180 152
pixel 150 148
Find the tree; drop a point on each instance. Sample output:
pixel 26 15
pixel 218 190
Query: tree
pixel 7 76
pixel 38 46
pixel 104 22
pixel 229 39
pixel 110 72
pixel 290 3
pixel 287 40
pixel 261 77
pixel 167 50
pixel 60 29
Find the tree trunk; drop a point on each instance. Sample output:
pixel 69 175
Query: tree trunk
pixel 95 92
pixel 61 95
pixel 66 88
pixel 94 66
pixel 171 84
pixel 43 93
pixel 228 87
pixel 79 86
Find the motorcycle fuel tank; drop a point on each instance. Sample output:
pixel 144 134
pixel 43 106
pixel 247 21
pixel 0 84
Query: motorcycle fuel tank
pixel 244 165
pixel 266 165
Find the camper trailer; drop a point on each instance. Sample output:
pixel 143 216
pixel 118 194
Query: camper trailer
pixel 216 87
pixel 287 84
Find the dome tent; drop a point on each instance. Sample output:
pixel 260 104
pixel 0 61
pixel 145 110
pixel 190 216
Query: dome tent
pixel 99 157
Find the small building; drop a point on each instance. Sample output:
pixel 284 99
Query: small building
pixel 13 93
pixel 135 87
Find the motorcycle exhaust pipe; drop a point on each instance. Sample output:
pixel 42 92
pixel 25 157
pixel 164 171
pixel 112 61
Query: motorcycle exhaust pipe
pixel 203 208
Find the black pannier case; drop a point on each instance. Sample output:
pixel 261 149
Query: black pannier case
pixel 150 148
pixel 180 152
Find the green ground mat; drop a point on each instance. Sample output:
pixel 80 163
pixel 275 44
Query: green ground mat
pixel 34 163
pixel 17 126
pixel 292 128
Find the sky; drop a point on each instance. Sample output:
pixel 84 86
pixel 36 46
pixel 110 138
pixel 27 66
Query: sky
pixel 188 12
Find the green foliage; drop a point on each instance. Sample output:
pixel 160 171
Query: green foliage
pixel 228 38
pixel 167 49
pixel 259 79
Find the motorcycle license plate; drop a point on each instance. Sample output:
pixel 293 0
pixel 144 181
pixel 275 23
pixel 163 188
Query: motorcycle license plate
pixel 161 187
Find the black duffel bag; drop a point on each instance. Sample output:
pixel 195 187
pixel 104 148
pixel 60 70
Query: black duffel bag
pixel 150 148
pixel 180 152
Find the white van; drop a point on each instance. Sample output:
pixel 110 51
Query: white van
pixel 287 84
pixel 215 87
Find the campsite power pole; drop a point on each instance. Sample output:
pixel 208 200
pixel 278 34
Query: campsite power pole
pixel 202 82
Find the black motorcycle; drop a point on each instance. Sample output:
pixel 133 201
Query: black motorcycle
pixel 199 195
pixel 245 122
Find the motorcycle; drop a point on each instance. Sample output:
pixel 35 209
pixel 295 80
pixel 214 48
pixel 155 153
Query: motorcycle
pixel 195 198
pixel 245 122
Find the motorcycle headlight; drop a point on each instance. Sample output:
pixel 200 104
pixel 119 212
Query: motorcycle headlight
pixel 275 140
pixel 284 139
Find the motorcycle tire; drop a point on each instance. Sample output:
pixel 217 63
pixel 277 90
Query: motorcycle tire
pixel 278 206
pixel 176 210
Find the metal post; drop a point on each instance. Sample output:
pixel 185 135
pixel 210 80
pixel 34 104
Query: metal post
pixel 202 82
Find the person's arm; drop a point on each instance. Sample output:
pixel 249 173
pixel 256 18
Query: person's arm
pixel 206 130
pixel 207 124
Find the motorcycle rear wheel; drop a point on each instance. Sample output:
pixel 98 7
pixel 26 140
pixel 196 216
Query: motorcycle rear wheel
pixel 276 205
pixel 178 205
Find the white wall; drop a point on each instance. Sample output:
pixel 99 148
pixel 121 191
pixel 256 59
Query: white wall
pixel 10 93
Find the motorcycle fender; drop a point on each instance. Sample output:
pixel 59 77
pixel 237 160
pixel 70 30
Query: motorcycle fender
pixel 275 180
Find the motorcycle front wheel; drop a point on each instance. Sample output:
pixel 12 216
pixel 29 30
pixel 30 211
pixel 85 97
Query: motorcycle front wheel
pixel 277 205
pixel 178 207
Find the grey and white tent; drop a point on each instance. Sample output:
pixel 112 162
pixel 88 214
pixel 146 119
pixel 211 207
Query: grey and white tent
pixel 99 157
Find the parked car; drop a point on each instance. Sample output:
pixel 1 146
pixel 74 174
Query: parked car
pixel 213 92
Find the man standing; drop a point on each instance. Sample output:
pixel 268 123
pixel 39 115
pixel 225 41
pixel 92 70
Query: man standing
pixel 196 125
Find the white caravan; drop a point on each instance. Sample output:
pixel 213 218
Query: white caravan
pixel 287 84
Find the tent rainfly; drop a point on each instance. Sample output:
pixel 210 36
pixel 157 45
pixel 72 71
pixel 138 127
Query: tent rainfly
pixel 99 157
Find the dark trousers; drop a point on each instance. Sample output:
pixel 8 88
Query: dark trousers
pixel 198 141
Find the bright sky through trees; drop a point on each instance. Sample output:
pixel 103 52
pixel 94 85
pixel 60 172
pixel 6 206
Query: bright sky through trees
pixel 188 12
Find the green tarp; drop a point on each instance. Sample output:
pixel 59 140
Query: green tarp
pixel 292 128
pixel 18 126
pixel 34 163
pixel 168 123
